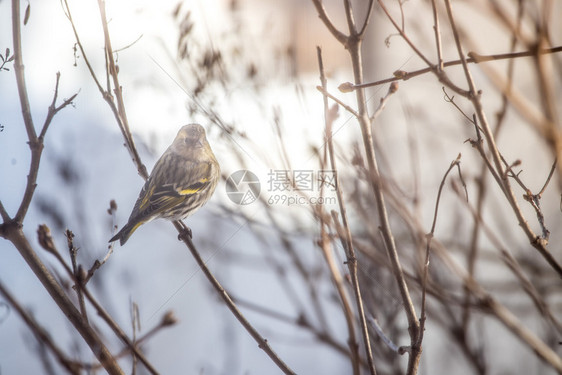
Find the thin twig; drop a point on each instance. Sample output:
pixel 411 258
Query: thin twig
pixel 13 229
pixel 16 236
pixel 54 109
pixel 341 37
pixel 344 234
pixel 473 58
pixel 353 44
pixel 46 241
pixel 429 237
pixel 112 72
pixel 537 242
pixel 437 32
pixel 325 92
pixel 488 303
pixel 329 117
pixel 120 116
pixel 382 103
pixel 35 143
pixel 404 36
pixel 5 216
pixel 119 332
pixel 262 342
pixel 118 110
pixel 40 332
pixel 299 321
pixel 361 32
pixel 552 169
pixel 515 268
pixel 77 272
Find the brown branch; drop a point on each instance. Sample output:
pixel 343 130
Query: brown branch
pixel 184 235
pixel 472 254
pixel 119 109
pixel 437 32
pixel 376 185
pixel 403 35
pixel 119 332
pixel 429 237
pixel 15 235
pixel 539 347
pixel 77 275
pixel 341 37
pixel 300 321
pixel 40 332
pixel 54 109
pixel 5 216
pixel 20 76
pixel 361 32
pixel 382 103
pixel 12 229
pixel 36 144
pixel 473 58
pixel 533 199
pixel 121 113
pixel 330 116
pixel 325 92
pixel 552 169
pixel 537 242
pixel 167 320
pixel 120 116
pixel 353 44
pixel 77 272
pixel 344 234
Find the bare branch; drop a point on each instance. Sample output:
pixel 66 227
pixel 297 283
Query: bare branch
pixel 329 117
pixel 324 91
pixel 536 241
pixel 40 332
pixel 54 109
pixel 429 237
pixel 16 236
pixel 361 32
pixel 473 58
pixel 341 37
pixel 437 32
pixel 262 342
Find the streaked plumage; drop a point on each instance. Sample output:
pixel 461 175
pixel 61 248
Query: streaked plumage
pixel 182 180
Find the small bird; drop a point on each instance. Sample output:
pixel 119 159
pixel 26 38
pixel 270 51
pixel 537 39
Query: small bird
pixel 183 179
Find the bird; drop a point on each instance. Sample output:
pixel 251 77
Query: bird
pixel 182 180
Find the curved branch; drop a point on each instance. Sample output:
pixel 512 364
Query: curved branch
pixel 367 19
pixel 15 235
pixel 341 37
pixel 184 235
pixel 12 229
pixel 325 243
pixel 537 242
pixel 40 332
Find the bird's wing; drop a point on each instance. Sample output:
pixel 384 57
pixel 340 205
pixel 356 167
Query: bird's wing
pixel 155 199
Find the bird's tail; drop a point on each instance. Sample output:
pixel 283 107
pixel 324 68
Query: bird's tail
pixel 126 232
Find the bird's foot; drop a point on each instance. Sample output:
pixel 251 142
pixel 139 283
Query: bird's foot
pixel 185 232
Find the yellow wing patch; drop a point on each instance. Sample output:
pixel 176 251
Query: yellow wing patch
pixel 195 187
pixel 189 191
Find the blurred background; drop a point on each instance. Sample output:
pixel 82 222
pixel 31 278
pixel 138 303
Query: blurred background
pixel 247 70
